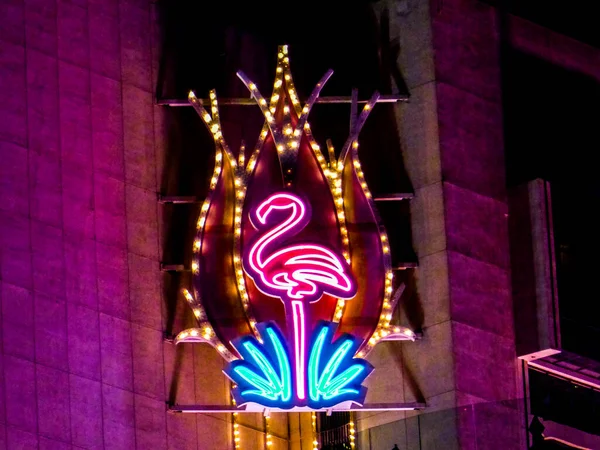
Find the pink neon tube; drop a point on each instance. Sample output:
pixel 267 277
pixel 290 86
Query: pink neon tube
pixel 297 274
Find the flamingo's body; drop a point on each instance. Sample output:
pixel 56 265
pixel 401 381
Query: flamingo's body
pixel 298 273
pixel 302 271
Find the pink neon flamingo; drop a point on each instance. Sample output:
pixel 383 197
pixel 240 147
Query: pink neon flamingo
pixel 297 273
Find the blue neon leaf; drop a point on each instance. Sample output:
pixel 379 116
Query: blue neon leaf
pixel 264 374
pixel 334 376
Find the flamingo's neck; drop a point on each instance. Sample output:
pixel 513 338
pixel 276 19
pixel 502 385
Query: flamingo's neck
pixel 283 228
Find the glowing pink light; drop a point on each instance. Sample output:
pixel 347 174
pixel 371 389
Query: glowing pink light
pixel 296 272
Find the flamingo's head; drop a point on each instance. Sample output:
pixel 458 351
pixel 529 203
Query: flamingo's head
pixel 280 201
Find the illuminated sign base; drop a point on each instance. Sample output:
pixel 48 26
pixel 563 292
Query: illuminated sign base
pixel 264 376
pixel 256 408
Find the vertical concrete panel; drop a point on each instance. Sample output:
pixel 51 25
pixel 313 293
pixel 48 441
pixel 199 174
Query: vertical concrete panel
pixel 438 430
pixel 48 260
pixel 103 20
pixel 142 224
pixel 430 362
pixel 150 423
pixel 413 438
pixel 42 108
pixel 419 136
pixel 80 271
pixel 480 295
pixel 20 439
pixel 485 363
pixel 2 397
pixel 113 291
pixel 41 26
pixel 212 387
pixel 107 126
pixel 73 43
pixel 78 199
pixel 118 413
pixel 13 101
pixel 135 46
pixel 148 370
pixel 84 341
pixel 109 201
pixel 145 292
pixel 413 30
pixel 45 189
pixel 180 385
pixel 385 384
pixel 51 332
pixel 250 438
pixel 214 433
pixel 428 227
pixel 279 427
pixel 13 179
pixel 53 403
pixel 432 288
pixel 13 18
pixel 466 48
pixel 388 435
pixel 75 115
pixel 475 225
pixel 363 441
pixel 156 41
pixel 306 436
pixel 182 431
pixel 294 434
pixel 138 127
pixel 471 141
pixel 49 444
pixel 17 321
pixel 21 403
pixel 15 258
pixel 86 412
pixel 116 352
pixel 496 425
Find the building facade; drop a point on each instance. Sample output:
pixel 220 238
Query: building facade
pixel 496 271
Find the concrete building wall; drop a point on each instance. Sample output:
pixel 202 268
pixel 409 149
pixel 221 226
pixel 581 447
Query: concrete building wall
pixel 452 141
pixel 451 133
pixel 82 358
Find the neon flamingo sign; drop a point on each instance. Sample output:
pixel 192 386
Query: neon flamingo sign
pixel 282 232
pixel 297 273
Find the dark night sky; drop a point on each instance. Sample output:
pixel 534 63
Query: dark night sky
pixel 552 118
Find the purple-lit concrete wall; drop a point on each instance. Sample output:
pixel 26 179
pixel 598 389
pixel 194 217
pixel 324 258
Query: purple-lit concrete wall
pixel 465 367
pixel 452 140
pixel 82 360
pixel 469 96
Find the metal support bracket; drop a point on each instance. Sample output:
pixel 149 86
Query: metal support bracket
pixel 394 197
pixel 244 101
pixel 173 199
pixel 228 409
pixel 173 268
pixel 182 200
